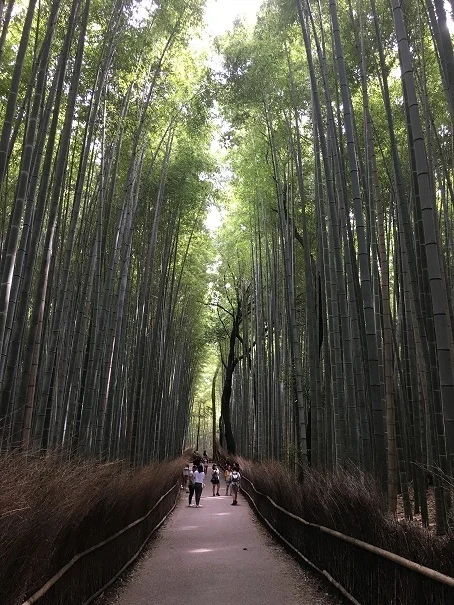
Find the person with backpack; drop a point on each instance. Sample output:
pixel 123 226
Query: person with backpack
pixel 215 481
pixel 235 483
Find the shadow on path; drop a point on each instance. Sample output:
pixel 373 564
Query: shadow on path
pixel 218 554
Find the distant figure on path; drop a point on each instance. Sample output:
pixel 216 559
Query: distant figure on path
pixel 185 477
pixel 215 481
pixel 199 484
pixel 227 478
pixel 235 483
pixel 191 484
pixel 205 461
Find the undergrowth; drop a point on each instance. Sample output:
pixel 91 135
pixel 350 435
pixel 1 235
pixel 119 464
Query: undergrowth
pixel 352 504
pixel 51 510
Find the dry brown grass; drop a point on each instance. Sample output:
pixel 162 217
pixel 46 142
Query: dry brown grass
pixel 350 503
pixel 50 510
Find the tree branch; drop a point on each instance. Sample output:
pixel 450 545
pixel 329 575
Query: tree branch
pixel 216 305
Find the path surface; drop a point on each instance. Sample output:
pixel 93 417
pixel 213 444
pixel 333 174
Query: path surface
pixel 219 554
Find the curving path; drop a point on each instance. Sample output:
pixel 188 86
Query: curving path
pixel 219 554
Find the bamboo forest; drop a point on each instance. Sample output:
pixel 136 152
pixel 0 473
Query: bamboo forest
pixel 242 242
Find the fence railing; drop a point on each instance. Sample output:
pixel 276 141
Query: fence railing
pixel 87 575
pixel 365 574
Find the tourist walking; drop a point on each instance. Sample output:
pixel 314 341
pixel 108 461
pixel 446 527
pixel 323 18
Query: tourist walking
pixel 205 461
pixel 199 484
pixel 215 480
pixel 235 483
pixel 186 471
pixel 191 484
pixel 227 478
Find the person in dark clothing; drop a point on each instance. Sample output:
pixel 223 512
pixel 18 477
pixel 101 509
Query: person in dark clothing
pixel 215 480
pixel 191 484
pixel 235 483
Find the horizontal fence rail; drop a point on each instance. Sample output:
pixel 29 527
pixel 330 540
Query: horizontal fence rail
pixel 90 583
pixel 365 574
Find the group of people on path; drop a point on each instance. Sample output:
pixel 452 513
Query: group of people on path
pixel 194 477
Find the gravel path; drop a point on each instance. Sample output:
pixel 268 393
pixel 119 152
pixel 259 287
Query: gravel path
pixel 219 554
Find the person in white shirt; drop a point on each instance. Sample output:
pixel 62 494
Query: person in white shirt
pixel 199 484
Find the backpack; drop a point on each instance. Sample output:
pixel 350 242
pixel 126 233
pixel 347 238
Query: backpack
pixel 235 477
pixel 215 476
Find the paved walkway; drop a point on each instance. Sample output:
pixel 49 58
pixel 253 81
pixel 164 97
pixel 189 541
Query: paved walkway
pixel 218 554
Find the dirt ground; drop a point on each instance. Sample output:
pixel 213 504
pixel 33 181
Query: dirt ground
pixel 220 554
